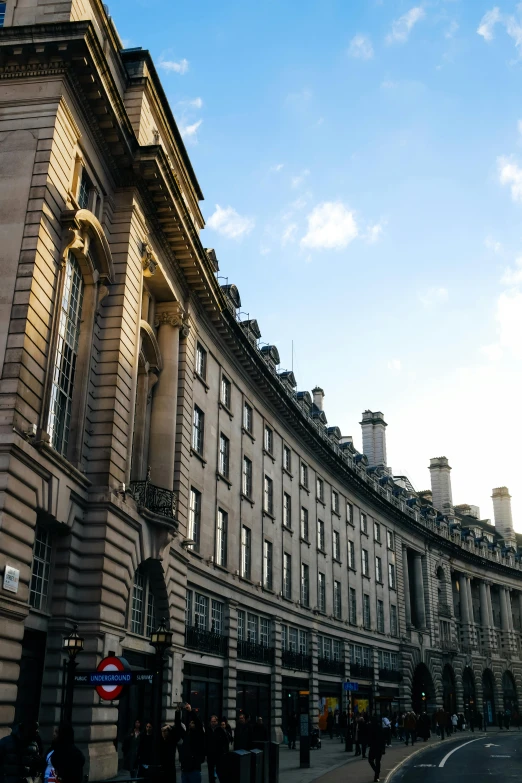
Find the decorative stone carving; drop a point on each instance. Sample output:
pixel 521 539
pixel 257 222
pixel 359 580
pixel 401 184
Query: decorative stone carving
pixel 148 262
pixel 170 313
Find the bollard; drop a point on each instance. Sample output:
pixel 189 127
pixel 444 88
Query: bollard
pixel 265 747
pixel 273 774
pixel 256 766
pixel 237 766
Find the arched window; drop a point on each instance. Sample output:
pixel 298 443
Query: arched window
pixel 64 368
pixel 143 615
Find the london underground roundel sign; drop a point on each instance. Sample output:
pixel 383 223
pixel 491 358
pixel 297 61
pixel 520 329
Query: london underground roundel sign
pixel 110 677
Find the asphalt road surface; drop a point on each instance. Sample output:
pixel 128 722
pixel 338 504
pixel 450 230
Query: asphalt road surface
pixel 492 758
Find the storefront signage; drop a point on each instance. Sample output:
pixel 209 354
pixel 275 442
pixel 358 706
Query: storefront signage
pixel 122 678
pixel 110 672
pixel 11 579
pixel 351 686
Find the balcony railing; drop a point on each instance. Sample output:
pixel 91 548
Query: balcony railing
pixel 360 670
pixel 253 651
pixel 296 660
pixel 328 666
pixel 157 500
pixel 206 641
pixel 390 675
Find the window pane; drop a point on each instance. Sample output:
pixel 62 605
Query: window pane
pixel 151 614
pixel 201 611
pixel 217 617
pixel 267 565
pixel 222 538
pixel 138 597
pixel 245 552
pixel 41 566
pixel 194 518
pixel 64 368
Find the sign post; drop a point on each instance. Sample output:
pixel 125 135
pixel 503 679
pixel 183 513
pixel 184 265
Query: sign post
pixel 304 729
pixel 348 739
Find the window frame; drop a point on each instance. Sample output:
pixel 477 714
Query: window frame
pixel 287 458
pixel 304 524
pixel 321 538
pixel 304 475
pixel 44 577
pixel 222 538
pixel 268 441
pixel 337 600
pixel 224 456
pixel 194 519
pixel 335 502
pixel 246 552
pixel 287 510
pixel 365 562
pixel 248 417
pixel 392 577
pixel 268 564
pixel 198 430
pixel 378 569
pixel 305 585
pixel 201 367
pixel 321 592
pixel 287 575
pixel 247 477
pixel 225 392
pixel 364 523
pixel 336 545
pixel 351 555
pixel 268 495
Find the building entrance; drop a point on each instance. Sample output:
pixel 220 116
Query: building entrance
pixel 203 690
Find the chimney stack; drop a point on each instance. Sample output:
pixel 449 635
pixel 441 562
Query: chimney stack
pixel 441 484
pixel 318 396
pixel 502 511
pixel 374 437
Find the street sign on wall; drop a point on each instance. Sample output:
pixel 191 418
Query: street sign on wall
pixel 111 676
pixel 351 686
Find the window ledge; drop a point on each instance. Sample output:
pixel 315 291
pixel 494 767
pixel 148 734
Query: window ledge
pixel 269 454
pixel 221 568
pixel 247 432
pixel 268 590
pixel 198 456
pixel 336 513
pixel 246 580
pixel 379 582
pixel 366 576
pixel 352 569
pixel 318 500
pixel 289 600
pixel 249 500
pixel 269 515
pixel 195 553
pixel 376 541
pixel 352 524
pixel 363 533
pixel 223 478
pixel 304 541
pixel 336 560
pixel 227 410
pixel 394 588
pixel 291 475
pixel 202 381
pixel 302 486
pixel 321 551
pixel 288 529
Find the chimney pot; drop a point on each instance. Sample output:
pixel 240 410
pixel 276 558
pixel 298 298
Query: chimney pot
pixel 318 396
pixel 374 437
pixel 441 484
pixel 502 511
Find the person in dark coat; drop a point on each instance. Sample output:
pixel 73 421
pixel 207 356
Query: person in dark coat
pixel 192 749
pixel 260 731
pixel 291 730
pixel 376 746
pixel 227 728
pixel 20 755
pixel 68 760
pixel 216 746
pixel 145 755
pixel 243 733
pixel 330 723
pixel 423 726
pixel 130 748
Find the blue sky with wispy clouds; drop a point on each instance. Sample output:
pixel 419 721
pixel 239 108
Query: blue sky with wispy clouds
pixel 361 162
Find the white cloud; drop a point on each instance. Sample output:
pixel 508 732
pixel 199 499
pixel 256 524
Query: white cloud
pixel 189 132
pixel 402 26
pixel 289 234
pixel 510 173
pixel 192 103
pixel 230 223
pixel 514 30
pixel 331 225
pixel 361 47
pixel 277 167
pixel 300 178
pixel 433 297
pixel 295 206
pixel 488 22
pixel 373 233
pixel 492 244
pixel 513 276
pixel 171 66
pixel 452 29
pixel 395 365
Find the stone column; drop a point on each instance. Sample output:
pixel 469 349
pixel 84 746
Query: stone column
pixel 314 676
pixel 230 670
pixel 420 608
pixel 169 318
pixel 504 614
pixel 485 618
pixel 464 599
pixel 276 684
pixel 407 598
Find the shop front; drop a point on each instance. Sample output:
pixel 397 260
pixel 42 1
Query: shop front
pixel 362 700
pixel 203 690
pixel 253 695
pixel 387 702
pixel 330 701
pixel 290 698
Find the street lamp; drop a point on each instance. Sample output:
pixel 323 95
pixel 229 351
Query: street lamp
pixel 161 640
pixel 72 645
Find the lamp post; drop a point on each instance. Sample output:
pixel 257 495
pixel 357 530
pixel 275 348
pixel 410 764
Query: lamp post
pixel 72 645
pixel 161 640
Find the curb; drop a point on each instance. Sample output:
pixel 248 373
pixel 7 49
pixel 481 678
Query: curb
pixel 418 752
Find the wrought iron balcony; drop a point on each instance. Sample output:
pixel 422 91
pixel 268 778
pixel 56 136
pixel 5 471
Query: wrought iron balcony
pixel 328 666
pixel 253 651
pixel 205 641
pixel 390 675
pixel 296 661
pixel 360 670
pixel 157 500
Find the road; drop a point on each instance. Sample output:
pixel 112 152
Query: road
pixel 494 756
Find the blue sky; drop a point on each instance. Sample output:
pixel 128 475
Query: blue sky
pixel 361 162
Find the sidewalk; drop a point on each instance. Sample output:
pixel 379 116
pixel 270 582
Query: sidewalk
pixel 328 765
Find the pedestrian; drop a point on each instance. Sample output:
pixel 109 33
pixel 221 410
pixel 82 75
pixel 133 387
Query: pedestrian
pixel 500 719
pixel 259 731
pixel 192 748
pixel 68 760
pixel 20 755
pixel 362 732
pixel 454 723
pixel 227 728
pixel 337 727
pixel 424 726
pixel 291 730
pixel 386 725
pixel 330 722
pixel 440 721
pixel 410 727
pixel 243 733
pixel 400 726
pixel 479 720
pixel 507 719
pixel 145 755
pixel 50 772
pixel 376 746
pixel 471 720
pixel 343 723
pixel 130 748
pixel 167 752
pixel 216 747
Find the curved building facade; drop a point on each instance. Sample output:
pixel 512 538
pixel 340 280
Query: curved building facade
pixel 156 461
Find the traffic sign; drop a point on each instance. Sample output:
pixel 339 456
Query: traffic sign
pixel 109 673
pixel 351 686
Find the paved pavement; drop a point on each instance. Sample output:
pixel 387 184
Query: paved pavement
pixel 479 759
pixel 332 764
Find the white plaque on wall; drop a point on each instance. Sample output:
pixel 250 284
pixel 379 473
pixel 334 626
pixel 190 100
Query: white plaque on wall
pixel 11 579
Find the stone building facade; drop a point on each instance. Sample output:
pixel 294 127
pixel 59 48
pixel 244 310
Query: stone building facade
pixel 157 462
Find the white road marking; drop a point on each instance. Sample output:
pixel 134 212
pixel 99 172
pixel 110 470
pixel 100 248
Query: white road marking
pixel 493 756
pixel 446 757
pixel 425 765
pixel 491 745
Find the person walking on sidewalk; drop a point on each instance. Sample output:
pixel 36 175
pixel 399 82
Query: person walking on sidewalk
pixel 410 727
pixel 376 746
